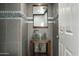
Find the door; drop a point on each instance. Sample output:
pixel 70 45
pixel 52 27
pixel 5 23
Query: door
pixel 68 29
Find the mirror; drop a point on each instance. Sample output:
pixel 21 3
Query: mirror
pixel 40 16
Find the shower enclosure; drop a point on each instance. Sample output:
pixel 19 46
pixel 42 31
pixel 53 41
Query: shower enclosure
pixel 16 28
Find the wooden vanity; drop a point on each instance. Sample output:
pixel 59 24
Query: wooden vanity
pixel 48 47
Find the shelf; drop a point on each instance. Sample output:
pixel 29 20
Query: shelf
pixel 40 41
pixel 48 47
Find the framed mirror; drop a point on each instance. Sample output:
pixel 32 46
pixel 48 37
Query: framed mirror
pixel 40 14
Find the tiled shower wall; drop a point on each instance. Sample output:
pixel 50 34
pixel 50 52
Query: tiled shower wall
pixel 11 26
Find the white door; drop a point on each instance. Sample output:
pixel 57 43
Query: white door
pixel 68 29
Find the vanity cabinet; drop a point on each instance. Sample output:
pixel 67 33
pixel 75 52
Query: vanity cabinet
pixel 43 50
